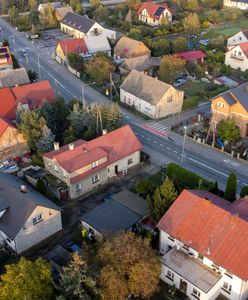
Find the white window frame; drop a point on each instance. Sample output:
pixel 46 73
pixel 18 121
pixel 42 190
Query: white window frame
pixel 94 164
pixel 170 275
pixel 196 293
pixel 78 187
pixel 227 287
pixel 37 219
pixel 95 178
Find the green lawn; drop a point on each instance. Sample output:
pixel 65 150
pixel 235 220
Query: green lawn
pixel 193 88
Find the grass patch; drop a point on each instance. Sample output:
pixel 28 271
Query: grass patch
pixel 193 88
pixel 191 102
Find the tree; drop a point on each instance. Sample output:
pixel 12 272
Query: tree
pixel 76 280
pixel 13 14
pixel 99 68
pixel 15 62
pixel 79 119
pixel 162 199
pixel 170 66
pixel 180 44
pixel 32 4
pixel 244 191
pixel 5 43
pixel 19 111
pixel 191 4
pixel 130 267
pixel 76 61
pixel 77 6
pixel 228 131
pixel 231 188
pixel 160 47
pixel 145 186
pixel 132 4
pixel 31 126
pixel 46 141
pixel 95 3
pixel 101 13
pixel 191 23
pixel 114 117
pixel 26 280
pixel 32 75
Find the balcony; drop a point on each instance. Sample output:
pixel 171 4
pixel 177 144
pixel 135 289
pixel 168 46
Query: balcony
pixel 191 270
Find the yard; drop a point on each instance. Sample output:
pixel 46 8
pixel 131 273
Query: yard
pixel 163 293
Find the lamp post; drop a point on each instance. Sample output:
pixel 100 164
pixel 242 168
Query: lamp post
pixel 38 60
pixel 184 140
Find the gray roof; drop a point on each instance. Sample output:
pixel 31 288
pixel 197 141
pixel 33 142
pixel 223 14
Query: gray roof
pixel 145 87
pixel 4 203
pixel 10 78
pixel 132 201
pixel 111 216
pixel 78 22
pixel 239 94
pixel 21 205
pixel 140 63
pixel 245 32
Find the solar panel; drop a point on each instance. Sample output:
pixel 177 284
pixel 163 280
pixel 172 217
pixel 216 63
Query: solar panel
pixel 159 11
pixel 3 50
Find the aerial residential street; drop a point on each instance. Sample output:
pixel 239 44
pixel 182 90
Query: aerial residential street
pixel 206 161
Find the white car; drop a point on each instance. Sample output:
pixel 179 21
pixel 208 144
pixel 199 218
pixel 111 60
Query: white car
pixel 179 82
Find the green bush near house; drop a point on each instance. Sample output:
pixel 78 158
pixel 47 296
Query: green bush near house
pixel 191 102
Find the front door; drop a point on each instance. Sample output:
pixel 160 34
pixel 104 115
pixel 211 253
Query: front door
pixel 116 169
pixel 183 286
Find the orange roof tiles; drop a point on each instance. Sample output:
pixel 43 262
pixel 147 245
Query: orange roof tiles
pixel 4 124
pixel 114 145
pixel 73 46
pixel 33 94
pixel 214 225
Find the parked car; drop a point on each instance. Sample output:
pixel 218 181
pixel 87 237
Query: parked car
pixel 192 36
pixel 204 42
pixel 179 82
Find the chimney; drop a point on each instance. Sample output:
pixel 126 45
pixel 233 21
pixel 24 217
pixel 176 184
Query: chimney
pixel 24 189
pixel 104 131
pixel 206 201
pixel 71 146
pixel 56 145
pixel 84 149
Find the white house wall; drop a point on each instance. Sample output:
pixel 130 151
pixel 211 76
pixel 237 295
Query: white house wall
pixel 236 63
pixel 238 5
pixel 236 39
pixel 239 287
pixel 31 234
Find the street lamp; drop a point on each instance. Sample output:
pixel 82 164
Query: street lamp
pixel 83 88
pixel 38 60
pixel 184 140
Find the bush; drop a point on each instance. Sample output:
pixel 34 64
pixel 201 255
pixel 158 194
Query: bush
pixel 41 187
pixel 191 102
pixel 244 191
pixel 183 178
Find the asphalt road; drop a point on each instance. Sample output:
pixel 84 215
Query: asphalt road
pixel 207 162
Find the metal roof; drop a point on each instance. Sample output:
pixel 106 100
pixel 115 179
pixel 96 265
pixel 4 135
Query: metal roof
pixel 78 22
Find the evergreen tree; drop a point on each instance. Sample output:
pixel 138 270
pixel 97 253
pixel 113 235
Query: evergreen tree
pixel 76 280
pixel 231 188
pixel 46 141
pixel 19 111
pixel 114 118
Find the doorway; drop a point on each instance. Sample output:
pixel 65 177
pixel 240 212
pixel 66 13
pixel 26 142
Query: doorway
pixel 116 169
pixel 183 286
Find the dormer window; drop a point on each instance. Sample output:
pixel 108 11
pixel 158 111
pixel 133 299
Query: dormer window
pixel 94 164
pixel 37 219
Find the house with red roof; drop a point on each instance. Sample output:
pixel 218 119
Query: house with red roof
pixel 12 143
pixel 74 45
pixel 30 96
pixel 85 166
pixel 195 56
pixel 154 14
pixel 237 57
pixel 6 62
pixel 203 240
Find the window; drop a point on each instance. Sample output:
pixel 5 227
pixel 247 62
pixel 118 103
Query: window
pixel 185 247
pixel 78 187
pixel 95 178
pixel 130 161
pixel 200 256
pixel 37 219
pixel 230 275
pixel 24 227
pixel 9 240
pixel 95 164
pixel 56 169
pixel 171 238
pixel 170 275
pixel 220 104
pixel 227 287
pixel 196 293
pixel 169 99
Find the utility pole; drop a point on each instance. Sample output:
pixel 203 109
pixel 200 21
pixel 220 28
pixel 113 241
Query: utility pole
pixel 184 140
pixel 38 55
pixel 111 90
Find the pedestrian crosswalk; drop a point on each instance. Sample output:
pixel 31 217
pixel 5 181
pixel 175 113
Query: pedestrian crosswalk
pixel 155 128
pixel 22 49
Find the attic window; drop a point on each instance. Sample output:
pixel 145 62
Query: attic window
pixel 37 219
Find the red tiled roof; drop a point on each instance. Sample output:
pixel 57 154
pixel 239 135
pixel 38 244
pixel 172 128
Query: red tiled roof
pixel 33 94
pixel 4 124
pixel 151 8
pixel 191 55
pixel 112 145
pixel 214 225
pixel 7 104
pixel 244 47
pixel 73 46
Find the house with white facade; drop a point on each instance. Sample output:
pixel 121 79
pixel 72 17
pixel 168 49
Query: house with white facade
pixel 237 57
pixel 238 4
pixel 150 96
pixel 238 38
pixel 26 216
pixel 85 166
pixel 154 14
pixel 79 26
pixel 203 240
